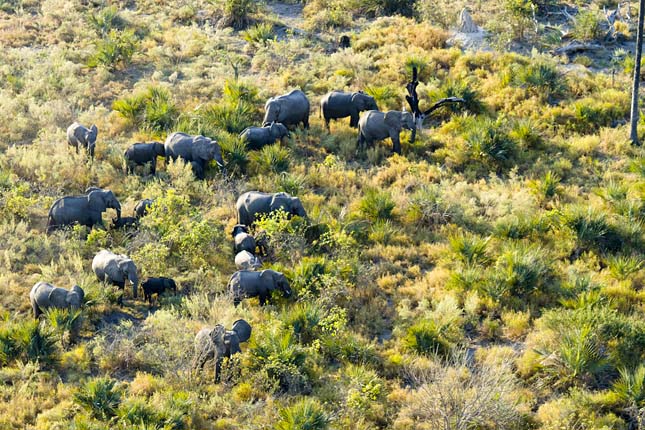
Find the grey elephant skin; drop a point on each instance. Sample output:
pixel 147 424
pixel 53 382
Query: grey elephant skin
pixel 288 109
pixel 139 154
pixel 244 260
pixel 243 241
pixel 338 104
pixel 78 135
pixel 245 284
pixel 85 210
pixel 198 169
pixel 218 343
pixel 190 148
pixel 253 203
pixel 258 137
pixel 157 286
pixel 125 222
pixel 142 207
pixel 115 269
pixel 44 295
pixel 374 126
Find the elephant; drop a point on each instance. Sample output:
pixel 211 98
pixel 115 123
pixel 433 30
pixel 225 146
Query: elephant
pixel 85 137
pixel 86 209
pixel 258 137
pixel 252 203
pixel 194 148
pixel 244 260
pixel 246 283
pixel 142 207
pixel 344 42
pixel 44 295
pixel 218 343
pixel 139 154
pixel 125 222
pixel 115 269
pixel 288 109
pixel 198 169
pixel 375 125
pixel 337 104
pixel 243 240
pixel 157 286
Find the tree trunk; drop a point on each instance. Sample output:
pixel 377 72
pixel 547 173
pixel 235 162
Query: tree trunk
pixel 637 75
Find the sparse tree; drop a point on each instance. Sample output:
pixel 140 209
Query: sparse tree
pixel 637 75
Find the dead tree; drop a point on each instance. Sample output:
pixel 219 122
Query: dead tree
pixel 633 135
pixel 413 101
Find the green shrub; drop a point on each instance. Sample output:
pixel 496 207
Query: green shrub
pixel 261 34
pixel 272 159
pixel 236 154
pixel 105 20
pixel 151 110
pixel 630 387
pixel 304 319
pixel 489 141
pixel 115 50
pixel 306 414
pixel 100 396
pixel 236 13
pixel 547 187
pixel 540 78
pixel 425 337
pixel 469 249
pixel 376 205
pixel 65 323
pixel 428 207
pixel 457 88
pixel 588 25
pixel 593 230
pixel 522 270
pixel 32 343
pixel 293 184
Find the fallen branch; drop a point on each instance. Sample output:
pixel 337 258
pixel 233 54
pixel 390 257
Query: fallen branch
pixel 575 47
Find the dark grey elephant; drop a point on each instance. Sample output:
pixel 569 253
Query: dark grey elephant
pixel 375 125
pixel 243 240
pixel 142 207
pixel 139 154
pixel 258 137
pixel 253 203
pixel 77 135
pixel 218 343
pixel 288 109
pixel 85 210
pixel 198 169
pixel 194 148
pixel 157 286
pixel 115 269
pixel 245 283
pixel 338 104
pixel 44 295
pixel 244 260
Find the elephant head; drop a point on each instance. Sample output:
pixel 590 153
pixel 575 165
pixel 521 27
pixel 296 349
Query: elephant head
pixel 363 102
pixel 397 120
pixel 297 208
pixel 291 205
pixel 272 112
pixel 75 297
pixel 129 270
pixel 278 131
pixel 100 200
pixel 90 138
pixel 217 337
pixel 243 331
pixel 278 280
pixel 239 228
pixel 207 149
pixel 61 298
pixel 159 149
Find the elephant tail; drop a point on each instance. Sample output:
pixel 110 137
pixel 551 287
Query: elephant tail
pixel 50 220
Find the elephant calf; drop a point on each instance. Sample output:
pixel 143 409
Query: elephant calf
pixel 115 269
pixel 218 343
pixel 244 260
pixel 254 203
pixel 125 222
pixel 258 137
pixel 157 286
pixel 338 104
pixel 243 240
pixel 375 125
pixel 85 210
pixel 77 135
pixel 198 149
pixel 44 295
pixel 139 154
pixel 142 207
pixel 245 283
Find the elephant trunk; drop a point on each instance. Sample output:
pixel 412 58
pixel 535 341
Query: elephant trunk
pixel 134 280
pixel 117 207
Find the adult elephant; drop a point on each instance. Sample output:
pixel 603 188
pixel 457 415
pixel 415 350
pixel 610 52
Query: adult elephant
pixel 375 125
pixel 338 104
pixel 116 269
pixel 85 210
pixel 258 137
pixel 218 343
pixel 288 109
pixel 253 203
pixel 198 149
pixel 44 295
pixel 139 154
pixel 78 135
pixel 245 283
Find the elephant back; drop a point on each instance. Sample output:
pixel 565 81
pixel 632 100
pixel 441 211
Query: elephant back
pixel 243 330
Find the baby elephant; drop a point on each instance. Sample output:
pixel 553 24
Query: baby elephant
pixel 244 260
pixel 142 207
pixel 125 222
pixel 243 240
pixel 157 286
pixel 245 283
pixel 139 154
pixel 85 137
pixel 218 343
pixel 258 137
pixel 115 269
pixel 44 295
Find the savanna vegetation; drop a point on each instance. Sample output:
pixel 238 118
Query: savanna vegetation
pixel 490 277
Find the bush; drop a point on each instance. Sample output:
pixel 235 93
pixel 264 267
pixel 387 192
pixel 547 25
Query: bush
pixel 305 414
pixel 260 34
pixel 588 25
pixel 489 141
pixel 101 397
pixel 376 205
pixel 272 159
pixel 106 20
pixel 115 50
pixel 426 337
pixel 540 78
pixel 236 13
pixel 469 249
pixel 592 229
pixel 150 110
pixel 521 271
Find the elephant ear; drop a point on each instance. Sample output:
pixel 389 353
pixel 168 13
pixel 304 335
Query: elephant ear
pixel 96 199
pixel 393 119
pixel 78 290
pixel 58 297
pixel 280 201
pixel 243 330
pixel 217 335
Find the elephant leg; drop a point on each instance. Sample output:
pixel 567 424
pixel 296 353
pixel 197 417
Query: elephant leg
pixel 353 120
pixel 327 125
pixel 396 144
pixel 218 368
pixel 153 166
pixel 263 299
pixel 36 309
pixel 305 122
